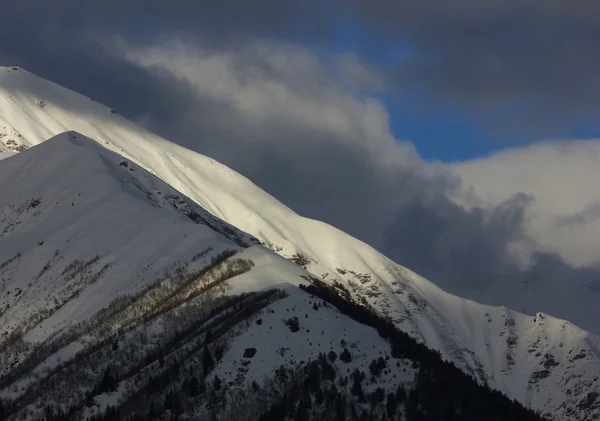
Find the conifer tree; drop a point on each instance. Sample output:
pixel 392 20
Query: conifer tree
pixel 208 363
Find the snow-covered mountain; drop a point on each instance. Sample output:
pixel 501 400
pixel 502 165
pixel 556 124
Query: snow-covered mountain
pixel 64 261
pixel 119 290
pixel 96 252
pixel 85 237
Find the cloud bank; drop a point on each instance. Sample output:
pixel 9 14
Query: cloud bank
pixel 257 87
pixel 503 223
pixel 519 65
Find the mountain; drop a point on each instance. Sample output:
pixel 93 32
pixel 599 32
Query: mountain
pixel 545 363
pixel 122 299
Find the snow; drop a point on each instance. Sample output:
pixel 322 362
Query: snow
pixel 6 154
pixel 321 331
pixel 269 271
pixel 89 206
pixel 499 346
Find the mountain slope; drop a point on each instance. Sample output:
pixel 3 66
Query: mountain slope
pixel 80 227
pixel 545 363
pixel 125 301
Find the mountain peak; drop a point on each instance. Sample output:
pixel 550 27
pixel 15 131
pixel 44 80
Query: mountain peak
pixel 70 200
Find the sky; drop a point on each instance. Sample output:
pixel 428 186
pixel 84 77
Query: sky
pixel 458 138
pixel 462 80
pixel 447 132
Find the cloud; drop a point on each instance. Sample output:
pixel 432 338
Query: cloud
pixel 519 64
pixel 231 80
pixel 265 82
pixel 527 66
pixel 562 177
pixel 294 128
pixel 329 153
pixel 590 214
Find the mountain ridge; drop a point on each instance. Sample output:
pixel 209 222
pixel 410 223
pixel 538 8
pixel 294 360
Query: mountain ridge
pixel 100 338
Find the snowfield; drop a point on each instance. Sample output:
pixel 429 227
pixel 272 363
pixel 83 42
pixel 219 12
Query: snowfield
pixel 96 205
pixel 321 329
pixel 108 210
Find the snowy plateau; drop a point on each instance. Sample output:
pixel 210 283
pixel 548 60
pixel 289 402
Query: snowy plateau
pixel 141 280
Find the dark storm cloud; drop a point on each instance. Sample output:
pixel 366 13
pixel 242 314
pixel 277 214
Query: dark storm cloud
pixel 480 54
pixel 58 40
pixel 462 248
pixel 539 58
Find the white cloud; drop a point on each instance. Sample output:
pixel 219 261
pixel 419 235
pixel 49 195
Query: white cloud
pixel 265 82
pixel 564 180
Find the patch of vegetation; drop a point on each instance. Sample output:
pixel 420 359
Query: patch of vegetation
pixel 249 352
pixel 293 324
pixel 272 246
pixel 300 259
pixel 442 391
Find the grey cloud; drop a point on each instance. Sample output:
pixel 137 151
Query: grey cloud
pixel 59 40
pixel 462 249
pixel 462 51
pixel 515 64
pixel 409 218
pixel 468 253
pixel 531 63
pixel 403 210
pixel 590 214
